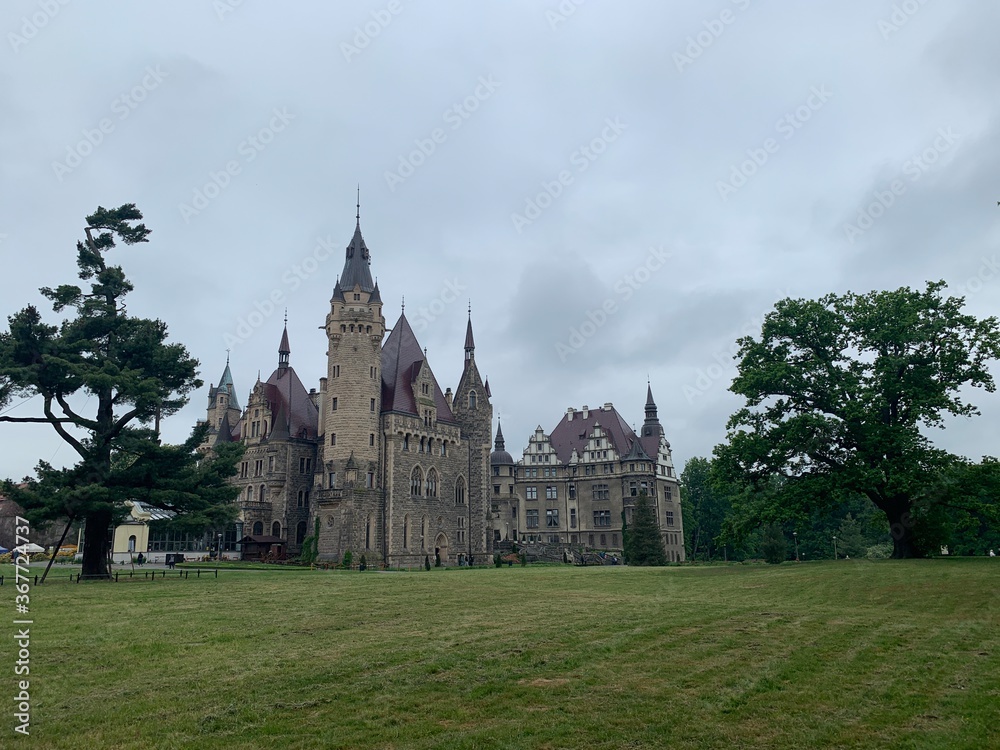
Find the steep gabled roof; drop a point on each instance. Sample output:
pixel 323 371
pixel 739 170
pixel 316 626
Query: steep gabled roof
pixel 225 383
pixel 294 413
pixel 570 435
pixel 402 360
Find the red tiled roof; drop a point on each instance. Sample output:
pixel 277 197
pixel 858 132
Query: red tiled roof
pixel 570 435
pixel 294 413
pixel 402 359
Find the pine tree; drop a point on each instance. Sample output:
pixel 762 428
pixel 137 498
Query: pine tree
pixel 132 378
pixel 645 543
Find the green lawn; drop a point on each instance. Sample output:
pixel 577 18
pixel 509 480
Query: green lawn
pixel 850 654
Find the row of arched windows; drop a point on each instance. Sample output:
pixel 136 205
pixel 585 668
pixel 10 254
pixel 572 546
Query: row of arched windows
pixel 258 528
pixel 427 486
pixel 360 328
pixel 424 445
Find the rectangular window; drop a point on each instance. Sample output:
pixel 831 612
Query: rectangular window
pixel 590 539
pixel 550 492
pixel 670 518
pixel 531 493
pixel 589 470
pixel 371 439
pixel 602 518
pixel 604 540
pixel 258 467
pixel 333 404
pixel 332 478
pixel 370 480
pixel 496 489
pixel 532 519
pixel 552 517
pixel 373 404
pixel 633 489
pixel 668 492
pixel 572 518
pixel 614 540
pixel 333 438
pixel 510 489
pixel 244 469
pixel 572 492
pixel 270 463
pixel 600 492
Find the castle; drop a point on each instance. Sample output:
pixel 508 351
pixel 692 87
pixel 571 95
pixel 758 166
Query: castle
pixel 384 463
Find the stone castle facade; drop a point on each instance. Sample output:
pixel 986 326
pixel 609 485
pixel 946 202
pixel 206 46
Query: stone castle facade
pixel 384 463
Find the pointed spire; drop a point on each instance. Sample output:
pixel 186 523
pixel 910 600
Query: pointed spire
pixel 226 384
pixel 498 444
pixel 470 343
pixel 376 295
pixel 356 264
pixel 486 388
pixel 283 348
pixel 652 424
pixel 338 293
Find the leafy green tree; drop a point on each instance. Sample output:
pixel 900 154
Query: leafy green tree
pixel 645 543
pixel 706 507
pixel 132 378
pixel 773 545
pixel 839 392
pixel 850 539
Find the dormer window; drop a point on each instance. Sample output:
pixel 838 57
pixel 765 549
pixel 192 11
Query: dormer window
pixel 472 400
pixel 357 297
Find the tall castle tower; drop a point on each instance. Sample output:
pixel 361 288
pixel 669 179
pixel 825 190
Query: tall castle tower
pixel 351 393
pixel 474 413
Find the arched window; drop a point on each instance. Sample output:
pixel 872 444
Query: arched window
pixel 472 399
pixel 406 532
pixel 262 494
pixel 432 483
pixel 343 328
pixel 276 528
pixel 131 543
pixel 258 528
pixel 249 494
pixel 300 532
pixel 416 481
pixel 406 442
pixel 444 448
pixel 460 491
pixel 368 533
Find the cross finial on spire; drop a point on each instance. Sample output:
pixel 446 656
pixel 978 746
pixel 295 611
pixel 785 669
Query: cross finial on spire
pixel 227 358
pixel 358 215
pixel 470 308
pixel 286 317
pixel 402 304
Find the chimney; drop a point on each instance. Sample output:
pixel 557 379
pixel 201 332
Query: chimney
pixel 586 411
pixel 608 406
pixel 569 414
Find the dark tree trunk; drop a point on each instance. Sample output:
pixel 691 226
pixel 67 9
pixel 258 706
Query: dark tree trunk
pixel 95 545
pixel 901 527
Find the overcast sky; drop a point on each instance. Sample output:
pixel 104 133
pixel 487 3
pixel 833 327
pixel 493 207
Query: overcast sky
pixel 621 189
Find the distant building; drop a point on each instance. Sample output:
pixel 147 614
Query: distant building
pixel 386 464
pixel 571 486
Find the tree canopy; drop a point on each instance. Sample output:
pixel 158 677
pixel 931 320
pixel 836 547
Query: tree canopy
pixel 131 377
pixel 839 393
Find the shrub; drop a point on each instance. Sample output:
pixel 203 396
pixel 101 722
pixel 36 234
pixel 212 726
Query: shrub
pixel 348 558
pixel 496 560
pixel 363 565
pixel 437 559
pixel 524 559
pixel 879 551
pixel 427 562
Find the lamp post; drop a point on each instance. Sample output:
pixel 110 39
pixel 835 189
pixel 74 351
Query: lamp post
pixel 220 547
pixel 795 535
pixel 835 556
